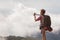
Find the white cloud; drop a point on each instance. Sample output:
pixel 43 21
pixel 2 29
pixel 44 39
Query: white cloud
pixel 22 21
pixel 19 23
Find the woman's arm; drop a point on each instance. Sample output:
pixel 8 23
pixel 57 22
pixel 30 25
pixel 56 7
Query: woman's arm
pixel 35 16
pixel 39 18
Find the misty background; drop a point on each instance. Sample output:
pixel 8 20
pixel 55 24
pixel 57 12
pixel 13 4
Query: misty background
pixel 16 17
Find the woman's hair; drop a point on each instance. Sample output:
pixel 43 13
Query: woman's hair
pixel 43 11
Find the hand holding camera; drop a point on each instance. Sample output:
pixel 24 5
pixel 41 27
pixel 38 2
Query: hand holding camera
pixel 34 14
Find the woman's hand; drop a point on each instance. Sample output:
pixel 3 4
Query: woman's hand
pixel 34 14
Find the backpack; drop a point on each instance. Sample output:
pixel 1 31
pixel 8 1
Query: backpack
pixel 46 22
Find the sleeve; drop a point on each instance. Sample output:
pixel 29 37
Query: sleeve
pixel 39 18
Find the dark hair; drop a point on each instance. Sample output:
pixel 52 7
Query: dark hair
pixel 42 10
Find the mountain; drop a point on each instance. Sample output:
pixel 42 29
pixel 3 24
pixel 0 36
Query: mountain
pixel 21 38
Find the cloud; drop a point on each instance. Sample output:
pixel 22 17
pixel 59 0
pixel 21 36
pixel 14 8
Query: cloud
pixel 22 21
pixel 50 5
pixel 19 23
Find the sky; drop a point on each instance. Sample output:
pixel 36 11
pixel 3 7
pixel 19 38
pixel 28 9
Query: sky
pixel 16 16
pixel 50 5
